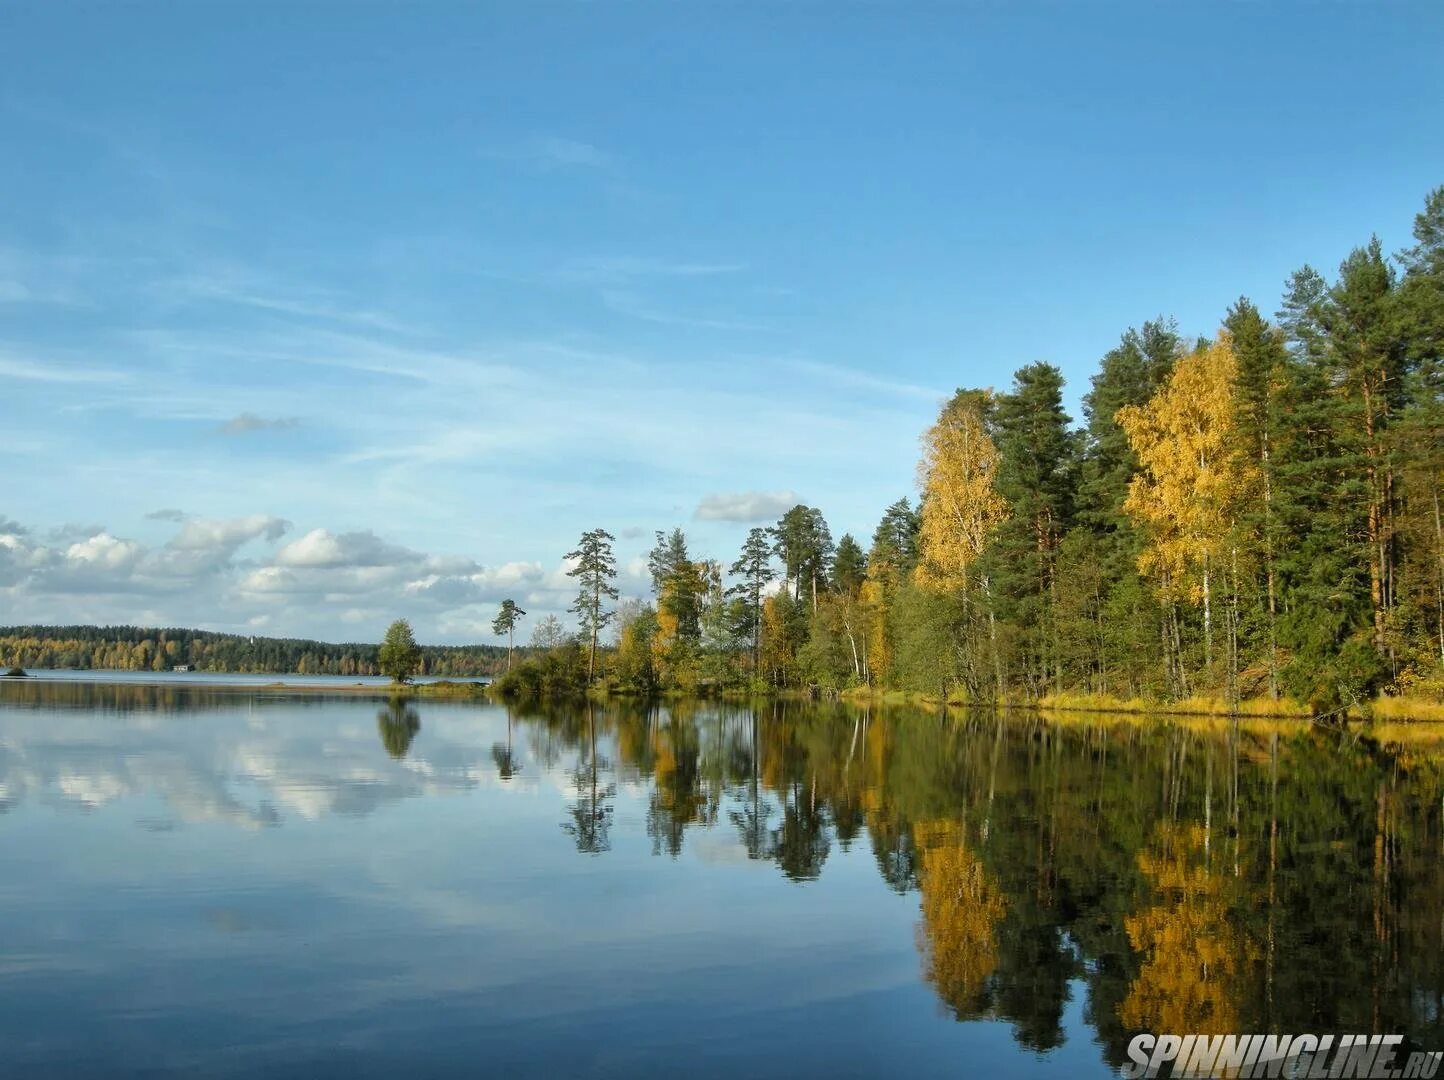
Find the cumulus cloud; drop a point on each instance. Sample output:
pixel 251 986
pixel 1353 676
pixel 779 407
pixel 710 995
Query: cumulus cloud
pixel 746 507
pixel 106 551
pixel 206 544
pixel 322 548
pixel 241 574
pixel 248 422
pixel 274 768
pixel 203 534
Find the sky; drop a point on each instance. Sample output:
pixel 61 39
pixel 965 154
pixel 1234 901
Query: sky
pixel 317 315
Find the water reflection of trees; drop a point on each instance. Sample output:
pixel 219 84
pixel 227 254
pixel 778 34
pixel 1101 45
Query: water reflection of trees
pixel 1188 879
pixel 107 698
pixel 502 754
pixel 590 814
pixel 1185 877
pixel 398 724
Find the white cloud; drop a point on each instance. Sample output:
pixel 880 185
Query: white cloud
pixel 322 548
pixel 746 507
pixel 314 586
pixel 105 551
pixel 202 534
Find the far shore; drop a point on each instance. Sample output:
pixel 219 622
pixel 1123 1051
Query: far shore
pixel 440 688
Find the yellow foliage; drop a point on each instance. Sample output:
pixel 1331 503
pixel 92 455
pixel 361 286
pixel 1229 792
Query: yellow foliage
pixel 1406 708
pixel 878 641
pixel 666 634
pixel 1194 956
pixel 961 908
pixel 1195 476
pixel 776 654
pixel 961 505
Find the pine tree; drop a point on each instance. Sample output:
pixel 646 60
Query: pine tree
pixel 1037 475
pixel 679 586
pixel 1262 378
pixel 595 568
pixel 505 623
pixel 754 566
pixel 804 544
pixel 849 566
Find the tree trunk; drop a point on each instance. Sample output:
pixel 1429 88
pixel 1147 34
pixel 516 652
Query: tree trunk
pixel 1207 619
pixel 993 641
pixel 1268 495
pixel 1233 635
pixel 1375 522
pixel 1439 556
pixel 592 655
pixel 756 629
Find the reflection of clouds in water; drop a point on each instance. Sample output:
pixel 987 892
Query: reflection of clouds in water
pixel 248 766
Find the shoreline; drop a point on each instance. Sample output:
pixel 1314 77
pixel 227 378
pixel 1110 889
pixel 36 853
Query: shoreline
pixel 439 688
pixel 1393 712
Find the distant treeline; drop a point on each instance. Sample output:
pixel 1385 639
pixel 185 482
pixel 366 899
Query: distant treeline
pixel 136 648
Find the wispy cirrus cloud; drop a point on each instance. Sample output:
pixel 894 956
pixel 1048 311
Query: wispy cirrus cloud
pixel 245 290
pixel 634 305
pixel 615 269
pixel 550 152
pixel 53 370
pixel 630 285
pixel 836 375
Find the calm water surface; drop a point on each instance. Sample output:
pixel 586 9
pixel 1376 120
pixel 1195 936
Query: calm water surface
pixel 205 883
pixel 228 678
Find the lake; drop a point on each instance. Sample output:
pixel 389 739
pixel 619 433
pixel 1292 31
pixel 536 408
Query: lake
pixel 208 882
pixel 229 678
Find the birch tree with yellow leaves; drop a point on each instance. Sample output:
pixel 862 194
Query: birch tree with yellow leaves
pixel 1194 481
pixel 960 504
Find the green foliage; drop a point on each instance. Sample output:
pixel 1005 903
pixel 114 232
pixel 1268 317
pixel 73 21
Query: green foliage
pixel 595 567
pixel 895 541
pixel 561 673
pixel 754 568
pixel 678 584
pixel 635 665
pixel 849 566
pixel 399 657
pixel 804 545
pixel 397 725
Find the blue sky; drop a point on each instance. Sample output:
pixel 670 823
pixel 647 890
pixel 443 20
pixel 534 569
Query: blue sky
pixel 314 315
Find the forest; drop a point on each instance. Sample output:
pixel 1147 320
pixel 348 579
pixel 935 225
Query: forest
pixel 1250 515
pixel 133 648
